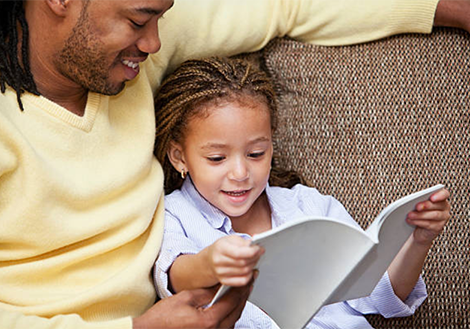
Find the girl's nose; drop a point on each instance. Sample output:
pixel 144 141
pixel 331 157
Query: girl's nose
pixel 239 171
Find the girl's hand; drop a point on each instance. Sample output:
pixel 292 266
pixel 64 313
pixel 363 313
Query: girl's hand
pixel 233 260
pixel 430 217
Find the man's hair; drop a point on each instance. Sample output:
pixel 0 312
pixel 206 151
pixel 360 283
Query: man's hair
pixel 14 66
pixel 193 88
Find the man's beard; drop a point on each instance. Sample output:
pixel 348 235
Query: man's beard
pixel 82 59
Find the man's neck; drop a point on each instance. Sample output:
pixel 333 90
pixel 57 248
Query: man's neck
pixel 42 48
pixel 73 99
pixel 56 87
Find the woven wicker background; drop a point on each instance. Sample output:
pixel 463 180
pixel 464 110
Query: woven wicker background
pixel 371 123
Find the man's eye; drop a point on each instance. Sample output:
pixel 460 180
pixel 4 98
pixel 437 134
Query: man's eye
pixel 137 25
pixel 216 159
pixel 256 154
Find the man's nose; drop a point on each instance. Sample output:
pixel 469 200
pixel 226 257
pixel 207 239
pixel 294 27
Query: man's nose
pixel 150 41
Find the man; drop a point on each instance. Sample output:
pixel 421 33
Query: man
pixel 81 194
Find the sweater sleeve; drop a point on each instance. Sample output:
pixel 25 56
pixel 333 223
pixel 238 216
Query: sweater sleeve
pixel 16 320
pixel 199 28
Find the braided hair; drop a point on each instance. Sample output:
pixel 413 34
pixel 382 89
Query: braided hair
pixel 14 67
pixel 196 83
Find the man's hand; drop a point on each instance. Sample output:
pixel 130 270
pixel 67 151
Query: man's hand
pixel 186 310
pixel 453 13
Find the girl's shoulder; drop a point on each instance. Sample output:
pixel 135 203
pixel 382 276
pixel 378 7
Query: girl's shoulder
pixel 297 192
pixel 305 199
pixel 177 200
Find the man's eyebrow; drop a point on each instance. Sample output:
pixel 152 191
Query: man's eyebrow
pixel 151 11
pixel 148 11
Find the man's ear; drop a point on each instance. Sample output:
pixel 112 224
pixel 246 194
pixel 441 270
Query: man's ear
pixel 59 7
pixel 176 156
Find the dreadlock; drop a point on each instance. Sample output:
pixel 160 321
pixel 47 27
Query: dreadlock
pixel 14 66
pixel 198 83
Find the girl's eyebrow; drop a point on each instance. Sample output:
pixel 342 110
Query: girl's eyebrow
pixel 222 146
pixel 213 146
pixel 261 139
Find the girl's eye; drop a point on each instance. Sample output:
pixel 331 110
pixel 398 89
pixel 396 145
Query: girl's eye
pixel 256 154
pixel 216 159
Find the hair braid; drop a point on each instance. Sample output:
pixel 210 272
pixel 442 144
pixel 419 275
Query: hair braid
pixel 194 85
pixel 14 69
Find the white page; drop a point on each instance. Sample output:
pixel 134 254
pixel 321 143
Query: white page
pixel 317 250
pixel 391 231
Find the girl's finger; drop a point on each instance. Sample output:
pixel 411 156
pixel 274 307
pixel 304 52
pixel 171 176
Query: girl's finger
pixel 440 195
pixel 428 206
pixel 428 216
pixel 244 252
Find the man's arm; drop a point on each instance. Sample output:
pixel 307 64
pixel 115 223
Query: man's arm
pixel 17 320
pixel 186 310
pixel 453 13
pixel 183 310
pixel 199 28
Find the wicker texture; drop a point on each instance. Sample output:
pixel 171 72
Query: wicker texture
pixel 371 123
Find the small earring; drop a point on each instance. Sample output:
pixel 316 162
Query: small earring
pixel 183 173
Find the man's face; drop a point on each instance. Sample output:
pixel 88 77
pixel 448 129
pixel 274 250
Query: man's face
pixel 109 41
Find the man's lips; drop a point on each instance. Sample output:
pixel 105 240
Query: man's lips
pixel 132 66
pixel 133 62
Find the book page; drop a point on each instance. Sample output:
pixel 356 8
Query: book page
pixel 390 230
pixel 303 264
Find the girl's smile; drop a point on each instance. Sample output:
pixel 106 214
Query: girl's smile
pixel 237 197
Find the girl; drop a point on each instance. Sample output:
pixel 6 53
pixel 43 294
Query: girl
pixel 216 119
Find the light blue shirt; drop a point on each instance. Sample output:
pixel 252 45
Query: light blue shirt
pixel 192 223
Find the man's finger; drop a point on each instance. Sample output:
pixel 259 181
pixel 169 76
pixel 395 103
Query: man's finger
pixel 200 297
pixel 236 297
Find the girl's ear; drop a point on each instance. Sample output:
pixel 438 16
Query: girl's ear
pixel 176 156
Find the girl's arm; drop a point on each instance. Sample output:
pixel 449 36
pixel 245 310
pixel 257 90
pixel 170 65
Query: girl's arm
pixel 229 261
pixel 430 217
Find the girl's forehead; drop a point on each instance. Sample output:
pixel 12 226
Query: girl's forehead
pixel 230 125
pixel 208 107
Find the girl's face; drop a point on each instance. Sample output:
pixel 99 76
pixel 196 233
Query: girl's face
pixel 228 154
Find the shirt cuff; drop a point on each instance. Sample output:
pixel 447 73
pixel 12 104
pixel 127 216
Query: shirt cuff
pixel 389 305
pixel 161 271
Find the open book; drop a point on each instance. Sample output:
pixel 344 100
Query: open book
pixel 314 261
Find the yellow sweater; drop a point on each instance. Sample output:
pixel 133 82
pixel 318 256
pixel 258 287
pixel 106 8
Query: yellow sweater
pixel 81 211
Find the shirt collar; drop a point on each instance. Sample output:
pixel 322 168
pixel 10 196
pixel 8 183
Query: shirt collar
pixel 284 204
pixel 215 217
pixel 280 210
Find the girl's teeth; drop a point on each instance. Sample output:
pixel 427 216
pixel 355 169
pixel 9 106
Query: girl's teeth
pixel 236 193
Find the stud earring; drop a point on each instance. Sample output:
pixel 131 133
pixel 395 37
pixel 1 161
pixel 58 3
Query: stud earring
pixel 183 174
